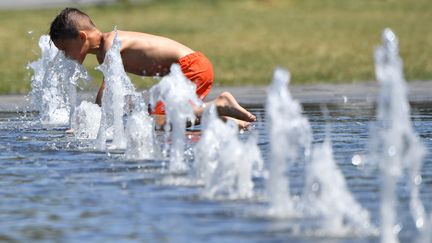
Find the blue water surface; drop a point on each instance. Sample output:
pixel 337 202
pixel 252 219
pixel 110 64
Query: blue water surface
pixel 53 188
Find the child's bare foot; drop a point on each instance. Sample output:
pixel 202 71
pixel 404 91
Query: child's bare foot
pixel 227 105
pixel 241 124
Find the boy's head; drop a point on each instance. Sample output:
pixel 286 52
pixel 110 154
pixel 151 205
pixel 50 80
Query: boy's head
pixel 69 32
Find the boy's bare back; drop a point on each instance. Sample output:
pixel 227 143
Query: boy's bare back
pixel 144 54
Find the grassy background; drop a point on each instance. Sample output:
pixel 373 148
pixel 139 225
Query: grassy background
pixel 319 41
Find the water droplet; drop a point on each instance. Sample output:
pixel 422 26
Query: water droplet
pixel 391 151
pixel 397 228
pixel 357 160
pixel 419 223
pixel 418 180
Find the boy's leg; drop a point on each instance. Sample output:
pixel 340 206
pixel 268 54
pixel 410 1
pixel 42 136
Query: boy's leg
pixel 227 106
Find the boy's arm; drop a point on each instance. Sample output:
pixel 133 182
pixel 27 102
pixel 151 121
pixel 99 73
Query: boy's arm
pixel 100 93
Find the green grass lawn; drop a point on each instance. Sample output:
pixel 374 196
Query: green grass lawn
pixel 318 41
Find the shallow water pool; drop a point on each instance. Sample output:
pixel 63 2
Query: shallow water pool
pixel 53 188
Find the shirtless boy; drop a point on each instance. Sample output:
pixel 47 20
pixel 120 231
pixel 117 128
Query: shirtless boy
pixel 73 32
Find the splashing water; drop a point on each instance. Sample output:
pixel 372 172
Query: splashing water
pixel 394 145
pixel 54 84
pixel 86 120
pixel 178 95
pixel 223 162
pixel 139 133
pixel 328 197
pixel 289 133
pixel 117 87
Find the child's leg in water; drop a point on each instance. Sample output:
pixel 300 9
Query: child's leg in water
pixel 228 106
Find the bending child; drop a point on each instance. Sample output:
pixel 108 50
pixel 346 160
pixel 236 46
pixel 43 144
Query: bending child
pixel 74 33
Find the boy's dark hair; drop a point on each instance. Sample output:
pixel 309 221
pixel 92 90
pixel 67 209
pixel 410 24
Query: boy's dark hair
pixel 68 24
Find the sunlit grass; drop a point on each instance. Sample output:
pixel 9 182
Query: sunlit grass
pixel 319 41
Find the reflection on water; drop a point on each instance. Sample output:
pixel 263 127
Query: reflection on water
pixel 53 188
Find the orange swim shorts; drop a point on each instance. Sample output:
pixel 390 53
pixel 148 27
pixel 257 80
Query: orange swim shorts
pixel 198 69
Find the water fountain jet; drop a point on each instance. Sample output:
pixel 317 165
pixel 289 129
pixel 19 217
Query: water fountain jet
pixel 54 84
pixel 395 146
pixel 117 87
pixel 140 136
pixel 178 95
pixel 289 134
pixel 224 163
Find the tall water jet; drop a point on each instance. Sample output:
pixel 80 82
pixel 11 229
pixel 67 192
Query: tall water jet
pixel 395 146
pixel 178 95
pixel 328 198
pixel 290 140
pixel 223 163
pixel 54 84
pixel 117 86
